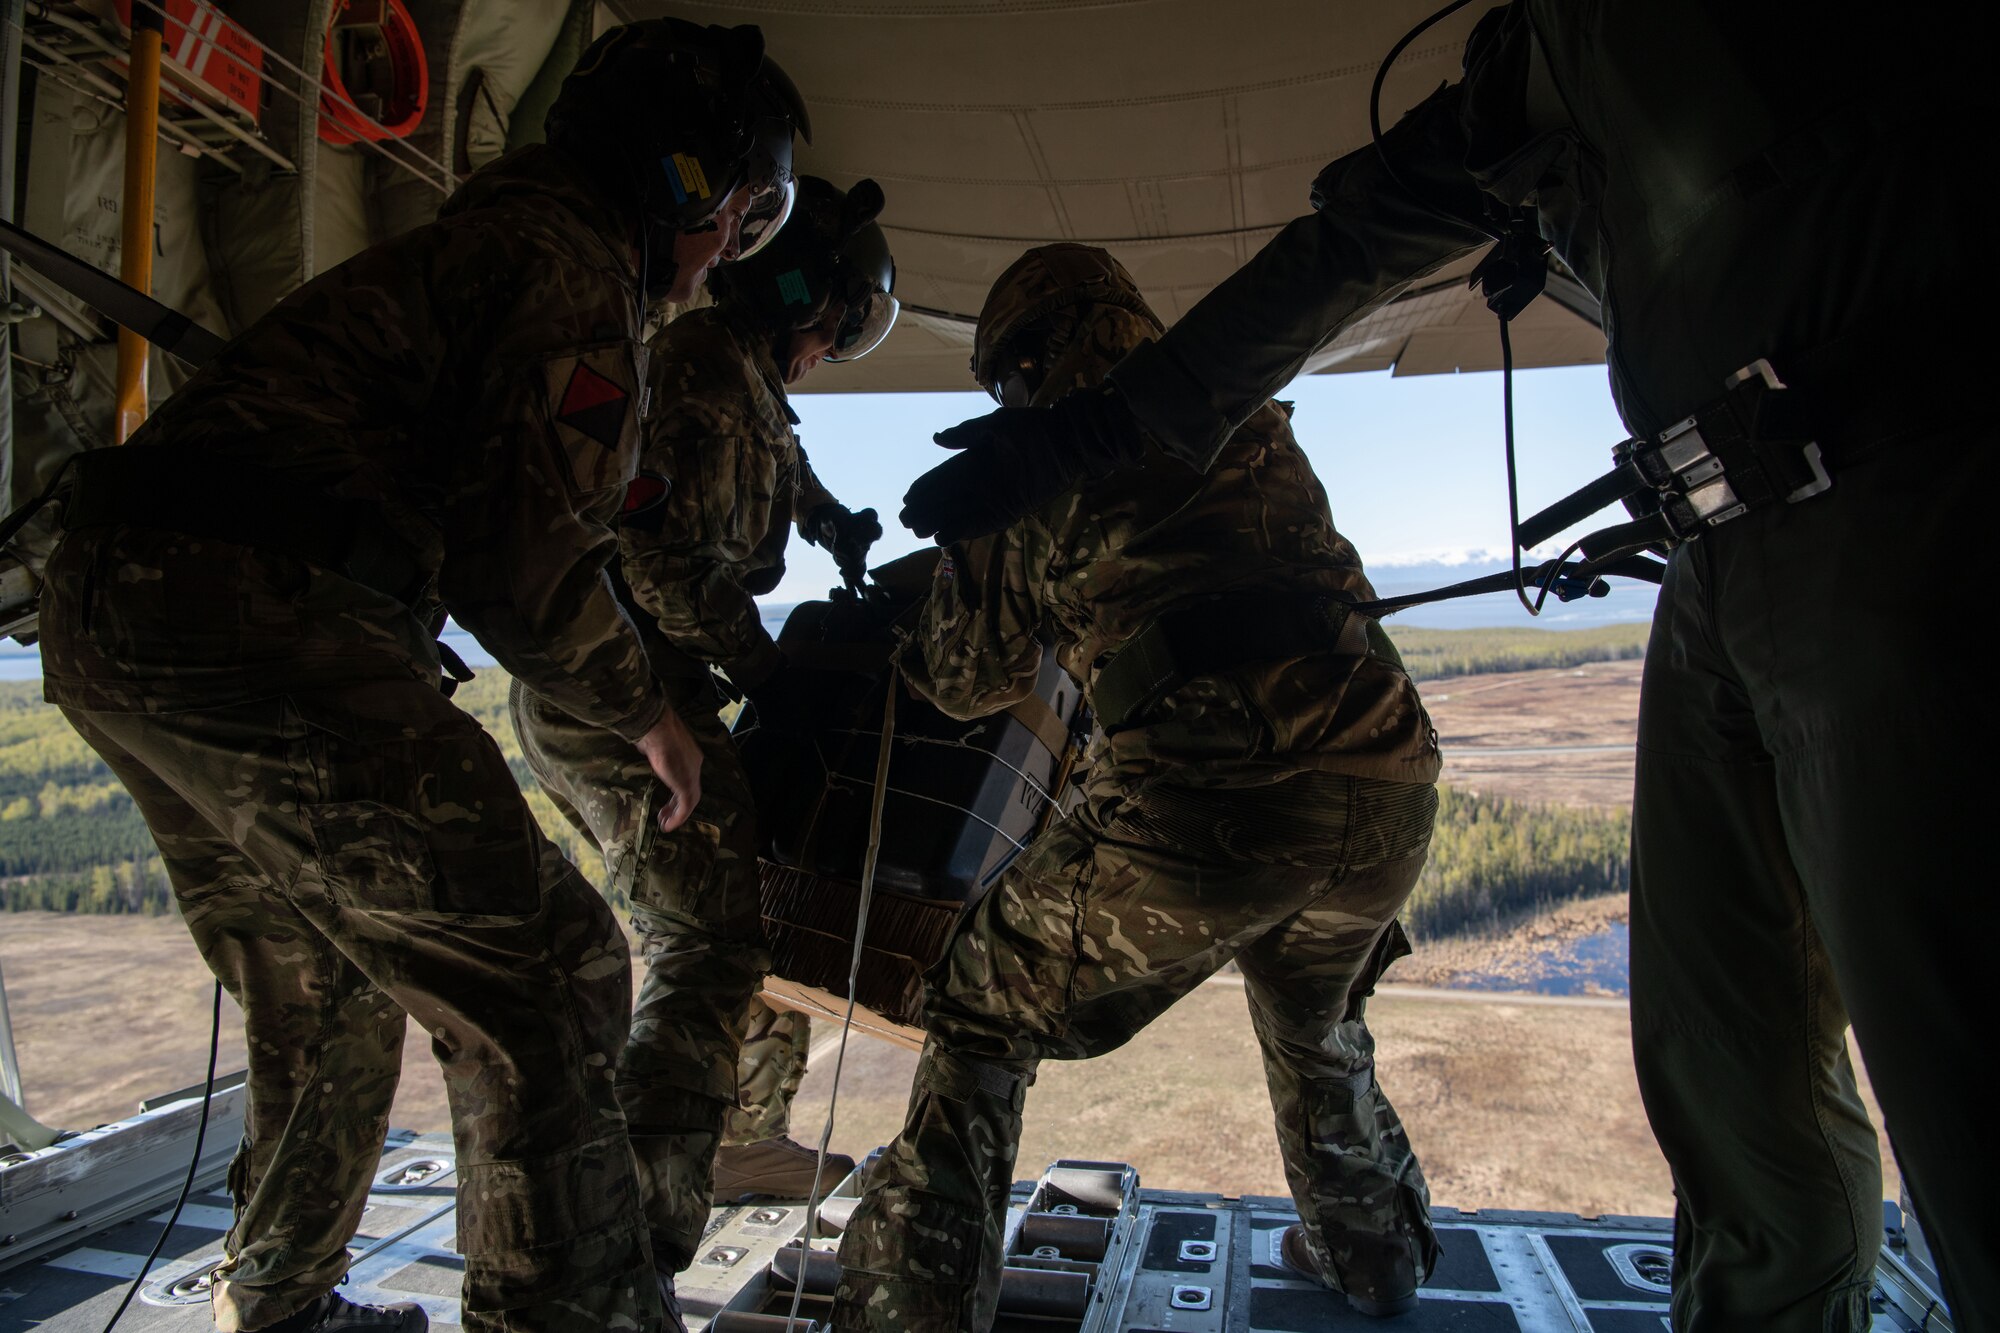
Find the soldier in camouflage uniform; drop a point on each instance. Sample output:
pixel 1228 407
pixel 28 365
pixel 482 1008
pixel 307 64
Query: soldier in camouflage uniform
pixel 737 482
pixel 1269 804
pixel 1781 887
pixel 240 620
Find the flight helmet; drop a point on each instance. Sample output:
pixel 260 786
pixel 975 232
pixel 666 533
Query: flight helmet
pixel 675 118
pixel 833 250
pixel 1037 308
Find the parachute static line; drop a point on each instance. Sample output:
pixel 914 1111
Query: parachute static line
pixel 873 853
pixel 194 1163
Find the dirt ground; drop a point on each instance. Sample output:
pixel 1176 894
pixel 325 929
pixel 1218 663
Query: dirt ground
pixel 1596 704
pixel 1512 1102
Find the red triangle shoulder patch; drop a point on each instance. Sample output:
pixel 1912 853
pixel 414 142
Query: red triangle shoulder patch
pixel 593 406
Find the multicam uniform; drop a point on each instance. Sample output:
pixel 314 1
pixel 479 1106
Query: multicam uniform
pixel 239 620
pixel 722 434
pixel 1276 815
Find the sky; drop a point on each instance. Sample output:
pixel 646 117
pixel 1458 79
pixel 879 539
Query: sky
pixel 1414 466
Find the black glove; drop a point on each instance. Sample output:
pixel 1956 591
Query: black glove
pixel 846 534
pixel 1016 460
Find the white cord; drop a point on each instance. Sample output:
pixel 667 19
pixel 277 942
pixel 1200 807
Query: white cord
pixel 853 978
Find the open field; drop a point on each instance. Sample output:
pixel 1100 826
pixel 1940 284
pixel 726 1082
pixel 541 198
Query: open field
pixel 1592 705
pixel 1512 1103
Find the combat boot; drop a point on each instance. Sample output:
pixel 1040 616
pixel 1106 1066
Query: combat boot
pixel 774 1169
pixel 334 1313
pixel 1393 1294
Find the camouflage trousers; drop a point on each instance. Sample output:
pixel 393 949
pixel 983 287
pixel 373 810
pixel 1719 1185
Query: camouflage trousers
pixel 696 908
pixel 1093 933
pixel 343 856
pixel 768 1074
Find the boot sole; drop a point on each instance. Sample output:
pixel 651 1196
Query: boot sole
pixel 1374 1309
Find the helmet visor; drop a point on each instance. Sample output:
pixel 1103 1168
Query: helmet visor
pixel 1013 389
pixel 867 322
pixel 770 205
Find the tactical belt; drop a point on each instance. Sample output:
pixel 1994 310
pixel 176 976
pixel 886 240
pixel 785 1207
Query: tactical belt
pixel 180 490
pixel 1232 631
pixel 1747 450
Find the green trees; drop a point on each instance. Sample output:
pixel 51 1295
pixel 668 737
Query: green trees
pixel 1493 858
pixel 71 841
pixel 1431 653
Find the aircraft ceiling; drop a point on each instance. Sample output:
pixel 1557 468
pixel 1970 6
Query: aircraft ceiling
pixel 1178 134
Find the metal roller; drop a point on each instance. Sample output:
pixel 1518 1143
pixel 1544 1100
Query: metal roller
pixel 1090 1184
pixel 1075 1236
pixel 1023 1291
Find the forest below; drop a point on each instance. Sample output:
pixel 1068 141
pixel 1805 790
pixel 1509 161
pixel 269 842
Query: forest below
pixel 71 841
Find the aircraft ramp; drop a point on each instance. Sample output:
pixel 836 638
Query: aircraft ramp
pixel 1088 1251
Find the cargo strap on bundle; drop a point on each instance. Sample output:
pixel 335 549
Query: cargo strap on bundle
pixel 1747 450
pixel 180 490
pixel 1232 631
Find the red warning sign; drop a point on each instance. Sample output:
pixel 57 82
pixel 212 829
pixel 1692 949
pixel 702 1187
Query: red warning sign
pixel 205 55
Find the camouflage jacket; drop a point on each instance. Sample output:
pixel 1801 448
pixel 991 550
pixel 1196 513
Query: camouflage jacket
pixel 1095 566
pixel 475 382
pixel 721 433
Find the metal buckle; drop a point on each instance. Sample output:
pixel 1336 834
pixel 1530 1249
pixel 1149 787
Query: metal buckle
pixel 1820 480
pixel 1762 369
pixel 1695 488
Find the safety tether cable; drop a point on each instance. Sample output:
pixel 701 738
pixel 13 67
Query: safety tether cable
pixel 853 979
pixel 1375 123
pixel 1495 301
pixel 1534 608
pixel 194 1163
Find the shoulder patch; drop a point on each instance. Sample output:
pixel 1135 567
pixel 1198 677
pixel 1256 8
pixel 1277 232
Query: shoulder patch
pixel 589 403
pixel 594 407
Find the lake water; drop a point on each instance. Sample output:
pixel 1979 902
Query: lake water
pixel 1599 964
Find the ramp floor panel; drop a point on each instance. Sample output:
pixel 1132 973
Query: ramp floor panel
pixel 1178 1263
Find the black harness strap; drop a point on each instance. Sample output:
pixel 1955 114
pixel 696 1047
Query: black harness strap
pixel 1568 580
